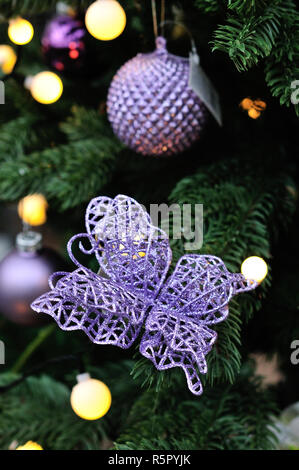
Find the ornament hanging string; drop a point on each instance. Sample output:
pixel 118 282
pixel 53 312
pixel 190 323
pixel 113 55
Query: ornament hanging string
pixel 155 17
pixel 155 22
pixel 164 22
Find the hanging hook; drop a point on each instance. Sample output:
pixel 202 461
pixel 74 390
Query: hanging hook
pixel 155 21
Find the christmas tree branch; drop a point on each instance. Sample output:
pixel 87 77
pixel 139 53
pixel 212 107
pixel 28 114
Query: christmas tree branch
pixel 256 30
pixel 68 174
pixel 10 8
pixel 39 408
pixel 32 347
pixel 218 420
pixel 282 66
pixel 247 40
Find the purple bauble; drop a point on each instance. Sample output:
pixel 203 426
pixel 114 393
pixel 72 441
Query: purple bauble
pixel 151 107
pixel 63 44
pixel 24 275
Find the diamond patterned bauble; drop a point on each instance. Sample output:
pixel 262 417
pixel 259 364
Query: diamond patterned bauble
pixel 64 44
pixel 151 107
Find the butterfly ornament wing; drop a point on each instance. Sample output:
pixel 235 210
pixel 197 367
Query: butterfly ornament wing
pixel 134 257
pixel 196 296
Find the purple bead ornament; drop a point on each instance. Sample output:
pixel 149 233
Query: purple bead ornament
pixel 151 107
pixel 131 291
pixel 63 43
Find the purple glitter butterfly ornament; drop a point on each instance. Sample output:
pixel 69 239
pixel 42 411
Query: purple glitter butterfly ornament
pixel 131 291
pixel 152 108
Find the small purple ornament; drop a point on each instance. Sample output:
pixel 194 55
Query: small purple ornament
pixel 151 107
pixel 63 43
pixel 24 275
pixel 131 291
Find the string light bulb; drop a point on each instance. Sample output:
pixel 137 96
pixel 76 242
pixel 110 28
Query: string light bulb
pixel 90 398
pixel 8 59
pixel 45 87
pixel 259 105
pixel 254 268
pixel 246 104
pixel 33 209
pixel 253 113
pixel 20 31
pixel 105 19
pixel 30 445
pixel 253 108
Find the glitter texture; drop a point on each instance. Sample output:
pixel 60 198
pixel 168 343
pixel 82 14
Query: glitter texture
pixel 131 291
pixel 151 107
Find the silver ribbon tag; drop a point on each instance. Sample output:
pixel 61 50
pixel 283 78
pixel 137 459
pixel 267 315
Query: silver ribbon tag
pixel 203 87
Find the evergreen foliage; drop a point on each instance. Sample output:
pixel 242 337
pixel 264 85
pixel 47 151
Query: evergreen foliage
pixel 69 173
pixel 224 418
pixel 39 409
pixel 245 175
pixel 256 30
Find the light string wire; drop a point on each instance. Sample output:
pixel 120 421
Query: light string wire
pixel 78 357
pixel 170 22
